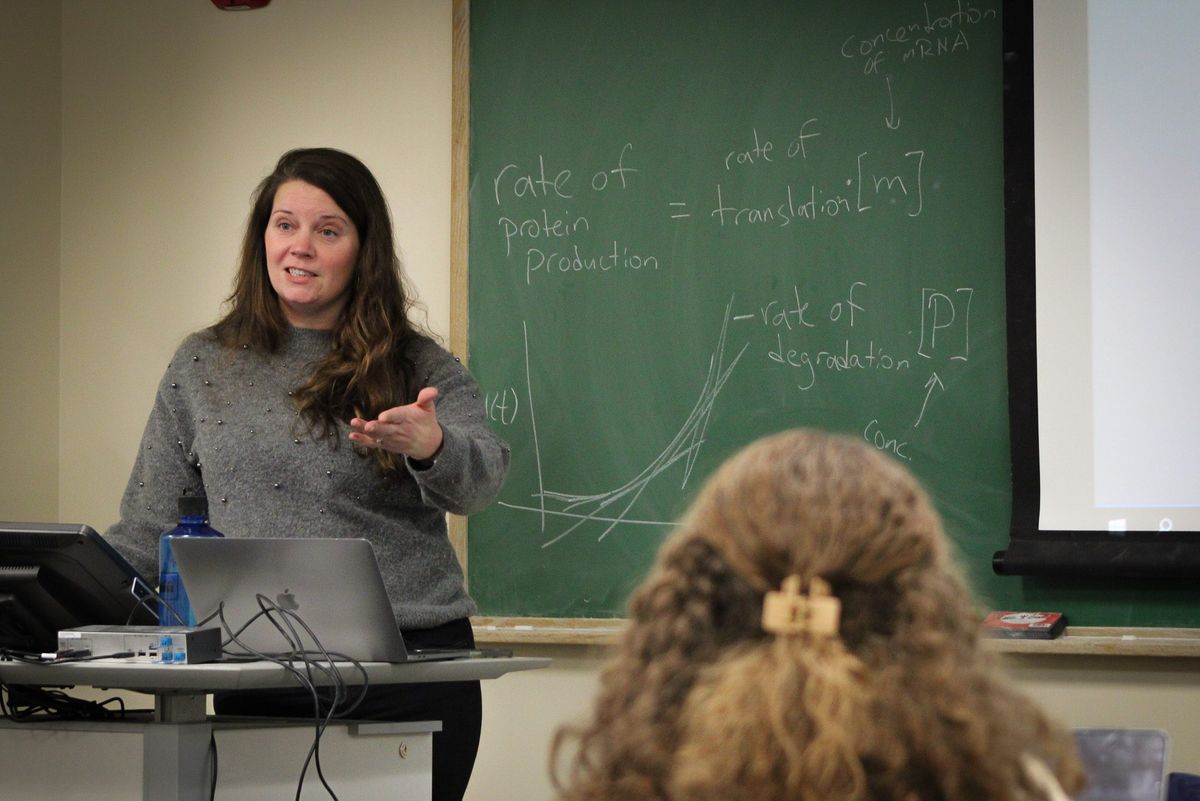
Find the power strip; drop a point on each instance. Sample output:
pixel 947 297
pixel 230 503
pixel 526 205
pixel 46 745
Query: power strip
pixel 167 645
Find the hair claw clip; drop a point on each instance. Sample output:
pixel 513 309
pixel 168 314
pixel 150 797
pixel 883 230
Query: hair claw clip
pixel 787 611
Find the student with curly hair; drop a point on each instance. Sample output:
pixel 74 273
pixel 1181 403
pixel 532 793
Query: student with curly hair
pixel 804 635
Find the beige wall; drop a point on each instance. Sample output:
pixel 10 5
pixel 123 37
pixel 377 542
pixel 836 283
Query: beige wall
pixel 30 155
pixel 170 113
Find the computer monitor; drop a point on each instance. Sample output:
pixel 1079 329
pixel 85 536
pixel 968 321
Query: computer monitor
pixel 58 576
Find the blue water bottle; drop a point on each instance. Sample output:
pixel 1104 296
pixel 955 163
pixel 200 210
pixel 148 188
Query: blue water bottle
pixel 173 607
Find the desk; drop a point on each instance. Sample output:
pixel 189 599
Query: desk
pixel 175 741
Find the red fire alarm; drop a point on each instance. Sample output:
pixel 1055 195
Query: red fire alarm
pixel 239 5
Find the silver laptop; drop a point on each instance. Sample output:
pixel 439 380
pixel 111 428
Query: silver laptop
pixel 1123 764
pixel 333 585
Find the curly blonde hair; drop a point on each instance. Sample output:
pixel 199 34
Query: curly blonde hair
pixel 698 702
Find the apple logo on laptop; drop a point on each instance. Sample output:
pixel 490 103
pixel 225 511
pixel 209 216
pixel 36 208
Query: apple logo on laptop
pixel 287 600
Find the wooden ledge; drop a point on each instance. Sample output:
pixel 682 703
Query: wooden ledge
pixel 1104 641
pixel 1075 640
pixel 547 630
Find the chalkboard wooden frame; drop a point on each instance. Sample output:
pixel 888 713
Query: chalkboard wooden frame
pixel 460 208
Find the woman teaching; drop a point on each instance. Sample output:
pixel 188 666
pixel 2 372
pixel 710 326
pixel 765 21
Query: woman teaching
pixel 316 408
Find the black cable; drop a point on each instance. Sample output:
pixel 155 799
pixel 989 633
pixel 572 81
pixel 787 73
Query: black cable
pixel 149 594
pixel 212 750
pixel 292 637
pixel 299 653
pixel 29 657
pixel 30 702
pixel 335 676
pixel 62 657
pixel 90 657
pixel 284 621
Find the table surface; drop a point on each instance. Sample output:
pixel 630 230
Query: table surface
pixel 158 678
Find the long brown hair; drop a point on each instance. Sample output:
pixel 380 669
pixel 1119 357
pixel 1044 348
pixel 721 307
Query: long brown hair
pixel 902 704
pixel 366 370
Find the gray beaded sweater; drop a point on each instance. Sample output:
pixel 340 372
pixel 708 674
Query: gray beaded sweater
pixel 223 425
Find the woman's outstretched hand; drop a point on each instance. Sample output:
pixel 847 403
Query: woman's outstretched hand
pixel 410 430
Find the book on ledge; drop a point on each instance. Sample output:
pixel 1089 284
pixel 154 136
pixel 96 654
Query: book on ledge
pixel 1025 625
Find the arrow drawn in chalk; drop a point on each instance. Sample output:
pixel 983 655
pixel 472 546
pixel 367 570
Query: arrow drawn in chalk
pixel 933 381
pixel 891 120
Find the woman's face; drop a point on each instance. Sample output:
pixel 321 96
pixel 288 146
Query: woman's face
pixel 311 246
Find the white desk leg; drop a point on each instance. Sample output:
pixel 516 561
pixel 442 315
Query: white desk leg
pixel 175 763
pixel 175 760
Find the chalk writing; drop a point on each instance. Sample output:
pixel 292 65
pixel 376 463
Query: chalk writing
pixel 834 361
pixel 937 46
pixel 873 434
pixel 760 151
pixel 502 406
pixel 848 306
pixel 938 33
pixel 798 145
pixel 510 180
pixel 941 312
pixel 796 321
pixel 870 184
pixel 543 226
pixel 514 182
pixel 602 178
pixel 933 383
pixel 891 120
pixel 794 313
pixel 678 210
pixel 572 260
pixel 790 316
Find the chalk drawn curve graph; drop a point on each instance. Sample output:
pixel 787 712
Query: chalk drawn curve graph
pixel 614 505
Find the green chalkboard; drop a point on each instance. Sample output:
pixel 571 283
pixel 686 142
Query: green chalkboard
pixel 694 224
